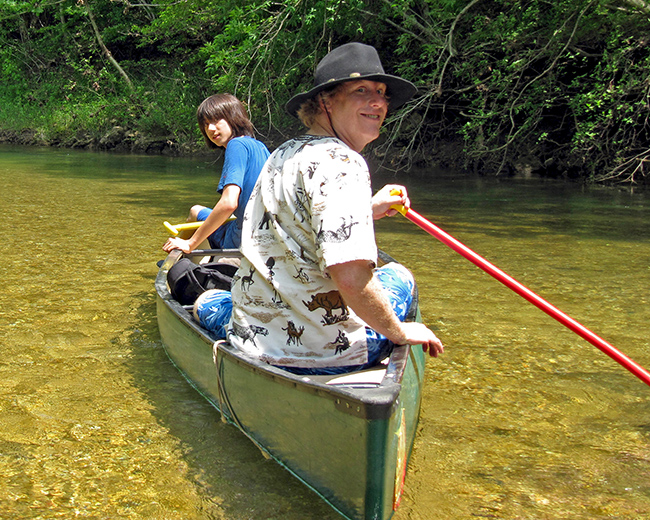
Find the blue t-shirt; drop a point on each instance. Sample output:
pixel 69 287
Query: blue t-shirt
pixel 242 164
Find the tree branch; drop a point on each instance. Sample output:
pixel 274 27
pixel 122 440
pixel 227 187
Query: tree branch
pixel 105 50
pixel 642 6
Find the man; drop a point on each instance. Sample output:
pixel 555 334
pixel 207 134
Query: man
pixel 306 293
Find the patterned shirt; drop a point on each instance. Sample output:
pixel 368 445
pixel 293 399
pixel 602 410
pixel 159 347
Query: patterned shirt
pixel 310 209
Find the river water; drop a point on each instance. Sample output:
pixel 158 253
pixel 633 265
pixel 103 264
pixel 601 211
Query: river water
pixel 521 419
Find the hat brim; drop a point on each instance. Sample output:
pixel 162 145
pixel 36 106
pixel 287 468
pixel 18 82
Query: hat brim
pixel 399 91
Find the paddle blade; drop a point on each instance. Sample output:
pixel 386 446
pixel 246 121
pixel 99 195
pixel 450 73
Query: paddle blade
pixel 171 229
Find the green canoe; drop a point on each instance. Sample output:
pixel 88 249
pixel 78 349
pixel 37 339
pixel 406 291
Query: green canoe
pixel 346 437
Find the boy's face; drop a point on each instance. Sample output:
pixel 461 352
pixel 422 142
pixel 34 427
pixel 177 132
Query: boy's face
pixel 219 133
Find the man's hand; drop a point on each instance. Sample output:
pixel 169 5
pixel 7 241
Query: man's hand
pixel 418 333
pixel 384 199
pixel 364 295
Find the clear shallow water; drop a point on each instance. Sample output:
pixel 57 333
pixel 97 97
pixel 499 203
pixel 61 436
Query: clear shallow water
pixel 522 419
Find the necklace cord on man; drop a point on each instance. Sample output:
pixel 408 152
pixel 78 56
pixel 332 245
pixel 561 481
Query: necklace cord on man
pixel 327 112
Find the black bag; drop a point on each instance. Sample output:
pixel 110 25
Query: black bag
pixel 188 280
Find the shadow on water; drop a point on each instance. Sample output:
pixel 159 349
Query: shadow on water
pixel 104 165
pixel 155 183
pixel 230 476
pixel 528 207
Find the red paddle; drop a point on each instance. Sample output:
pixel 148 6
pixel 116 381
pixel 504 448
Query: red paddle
pixel 526 293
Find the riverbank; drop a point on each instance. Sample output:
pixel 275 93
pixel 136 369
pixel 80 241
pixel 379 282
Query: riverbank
pixel 557 89
pixel 118 139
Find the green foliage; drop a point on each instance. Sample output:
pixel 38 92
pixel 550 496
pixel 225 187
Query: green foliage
pixel 263 50
pixel 612 117
pixel 563 84
pixel 558 87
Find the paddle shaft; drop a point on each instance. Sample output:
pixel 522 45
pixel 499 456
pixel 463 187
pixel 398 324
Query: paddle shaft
pixel 526 293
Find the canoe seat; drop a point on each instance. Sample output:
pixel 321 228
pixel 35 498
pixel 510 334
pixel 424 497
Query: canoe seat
pixel 369 377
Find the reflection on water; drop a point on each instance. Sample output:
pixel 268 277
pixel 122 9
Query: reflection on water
pixel 522 419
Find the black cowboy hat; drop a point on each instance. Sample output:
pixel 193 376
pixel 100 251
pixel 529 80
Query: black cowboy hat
pixel 353 61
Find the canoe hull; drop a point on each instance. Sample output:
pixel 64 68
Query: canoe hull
pixel 349 443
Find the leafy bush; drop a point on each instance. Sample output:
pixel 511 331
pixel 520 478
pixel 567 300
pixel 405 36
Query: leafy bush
pixel 559 88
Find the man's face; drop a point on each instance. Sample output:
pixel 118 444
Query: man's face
pixel 357 111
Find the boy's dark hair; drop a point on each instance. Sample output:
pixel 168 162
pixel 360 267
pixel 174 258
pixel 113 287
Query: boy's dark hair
pixel 229 108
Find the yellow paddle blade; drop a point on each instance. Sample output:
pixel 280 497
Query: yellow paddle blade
pixel 175 229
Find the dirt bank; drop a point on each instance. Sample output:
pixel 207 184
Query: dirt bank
pixel 118 139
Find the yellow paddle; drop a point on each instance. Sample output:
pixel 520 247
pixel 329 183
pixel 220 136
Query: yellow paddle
pixel 175 229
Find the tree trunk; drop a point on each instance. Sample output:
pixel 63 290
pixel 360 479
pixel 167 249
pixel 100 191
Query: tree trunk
pixel 105 50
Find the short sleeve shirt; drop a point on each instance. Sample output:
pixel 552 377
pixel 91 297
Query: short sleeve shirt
pixel 242 163
pixel 310 209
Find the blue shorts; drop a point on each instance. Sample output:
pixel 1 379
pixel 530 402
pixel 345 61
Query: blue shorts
pixel 214 308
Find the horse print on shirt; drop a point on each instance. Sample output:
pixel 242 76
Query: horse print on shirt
pixel 293 333
pixel 247 281
pixel 248 333
pixel 266 220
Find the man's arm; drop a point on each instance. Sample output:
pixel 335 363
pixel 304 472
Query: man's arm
pixel 364 295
